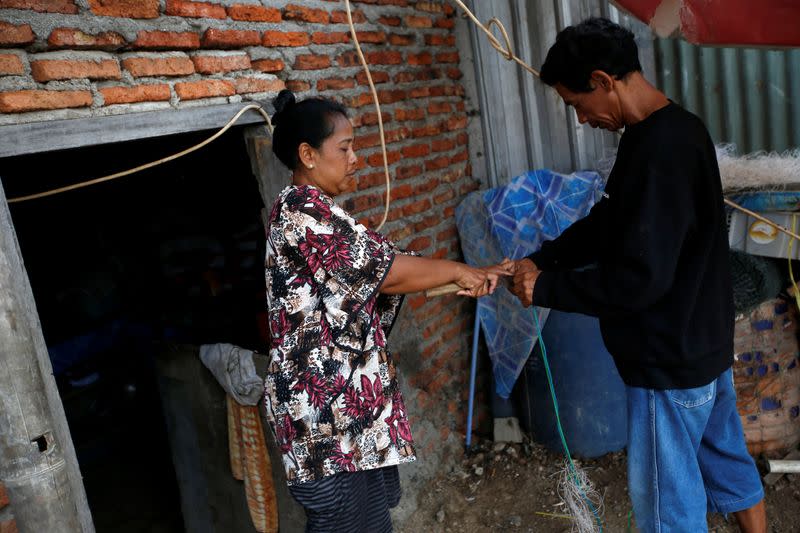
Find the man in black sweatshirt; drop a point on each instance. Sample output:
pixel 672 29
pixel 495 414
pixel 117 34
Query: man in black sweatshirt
pixel 653 259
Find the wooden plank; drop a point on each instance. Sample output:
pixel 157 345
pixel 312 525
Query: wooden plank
pixel 52 135
pixel 38 464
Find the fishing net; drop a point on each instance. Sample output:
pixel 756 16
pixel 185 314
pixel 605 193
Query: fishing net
pixel 755 279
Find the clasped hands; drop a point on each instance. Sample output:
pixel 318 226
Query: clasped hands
pixel 521 275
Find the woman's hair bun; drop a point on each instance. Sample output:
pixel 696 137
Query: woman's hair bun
pixel 284 101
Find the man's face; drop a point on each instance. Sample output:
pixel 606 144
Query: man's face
pixel 599 107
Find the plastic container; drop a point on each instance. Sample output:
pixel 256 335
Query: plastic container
pixel 590 393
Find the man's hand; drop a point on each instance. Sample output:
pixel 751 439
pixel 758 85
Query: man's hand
pixel 525 274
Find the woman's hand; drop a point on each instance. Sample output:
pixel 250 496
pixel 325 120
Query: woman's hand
pixel 477 282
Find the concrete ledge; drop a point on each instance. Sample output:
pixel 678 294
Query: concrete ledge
pixel 46 136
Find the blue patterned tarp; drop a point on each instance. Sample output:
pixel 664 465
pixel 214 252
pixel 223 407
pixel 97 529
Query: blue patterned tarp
pixel 513 221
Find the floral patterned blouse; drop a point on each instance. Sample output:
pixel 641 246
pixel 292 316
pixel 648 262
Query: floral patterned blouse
pixel 331 393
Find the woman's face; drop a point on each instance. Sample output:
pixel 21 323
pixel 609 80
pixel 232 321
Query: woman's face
pixel 333 165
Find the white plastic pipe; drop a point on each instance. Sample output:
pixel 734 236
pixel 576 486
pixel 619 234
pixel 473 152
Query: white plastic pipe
pixel 784 467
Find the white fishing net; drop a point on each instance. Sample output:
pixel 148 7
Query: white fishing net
pixel 584 504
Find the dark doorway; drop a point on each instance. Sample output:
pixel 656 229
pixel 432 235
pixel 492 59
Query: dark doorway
pixel 121 269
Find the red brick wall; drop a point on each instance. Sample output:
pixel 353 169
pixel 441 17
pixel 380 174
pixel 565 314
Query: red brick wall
pixel 59 58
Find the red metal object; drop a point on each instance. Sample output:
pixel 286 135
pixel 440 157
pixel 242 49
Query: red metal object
pixel 722 22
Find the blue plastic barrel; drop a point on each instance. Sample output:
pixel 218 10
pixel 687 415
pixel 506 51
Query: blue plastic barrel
pixel 591 395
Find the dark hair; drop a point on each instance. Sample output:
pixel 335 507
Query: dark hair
pixel 594 44
pixel 309 121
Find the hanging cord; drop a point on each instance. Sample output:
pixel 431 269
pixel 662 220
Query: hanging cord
pixel 505 52
pixel 578 478
pixel 791 270
pixel 152 164
pixel 377 110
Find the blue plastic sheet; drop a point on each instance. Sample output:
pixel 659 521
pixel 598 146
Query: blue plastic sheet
pixel 513 221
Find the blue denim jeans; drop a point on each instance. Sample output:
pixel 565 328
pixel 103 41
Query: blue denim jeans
pixel 687 457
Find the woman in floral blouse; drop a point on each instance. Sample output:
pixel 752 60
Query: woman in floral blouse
pixel 334 289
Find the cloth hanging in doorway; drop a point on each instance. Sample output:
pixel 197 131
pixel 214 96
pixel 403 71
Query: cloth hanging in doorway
pixel 235 370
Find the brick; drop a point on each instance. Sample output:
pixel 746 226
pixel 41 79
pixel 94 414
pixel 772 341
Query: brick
pixel 404 173
pixel 167 40
pixel 416 150
pixel 435 108
pixel 424 58
pixel 348 59
pixel 384 57
pixel 42 6
pixel 11 65
pixel 443 145
pixel 213 64
pixel 298 86
pixel 305 14
pixel 311 62
pixel 416 301
pixel 335 84
pixel 193 90
pixel 183 8
pixel 445 23
pixel 362 203
pixel 409 114
pixel 414 21
pixel 437 163
pixel 67 69
pixel 401 191
pixel 390 97
pixel 8 526
pixel 426 187
pixel 140 93
pixel 373 179
pixel 33 100
pixel 378 76
pixel 400 3
pixel 371 119
pixel 252 13
pixel 214 38
pixel 258 85
pixel 427 222
pixel 444 197
pixel 440 40
pixel 376 160
pixel 3 496
pixel 134 9
pixel 420 92
pixel 402 40
pixel 447 57
pixel 11 34
pixel 334 37
pixel 145 66
pixel 427 131
pixel 389 21
pixel 457 123
pixel 429 7
pixel 417 207
pixel 401 234
pixel 468 188
pixel 268 65
pixel 340 17
pixel 454 74
pixel 76 39
pixel 372 37
pixel 447 234
pixel 289 38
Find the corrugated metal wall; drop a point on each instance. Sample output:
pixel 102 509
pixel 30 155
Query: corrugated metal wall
pixel 525 124
pixel 746 96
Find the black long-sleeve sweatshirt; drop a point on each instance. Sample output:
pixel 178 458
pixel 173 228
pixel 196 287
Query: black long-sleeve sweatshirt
pixel 660 283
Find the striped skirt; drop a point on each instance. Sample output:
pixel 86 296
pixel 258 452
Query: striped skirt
pixel 350 502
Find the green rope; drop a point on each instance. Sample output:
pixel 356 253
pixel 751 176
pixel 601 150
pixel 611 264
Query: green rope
pixel 573 468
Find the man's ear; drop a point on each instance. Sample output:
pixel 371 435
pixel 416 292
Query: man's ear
pixel 602 79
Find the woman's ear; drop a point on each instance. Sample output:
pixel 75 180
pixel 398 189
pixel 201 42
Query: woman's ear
pixel 602 79
pixel 307 155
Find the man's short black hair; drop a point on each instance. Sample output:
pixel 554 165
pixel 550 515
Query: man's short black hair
pixel 594 44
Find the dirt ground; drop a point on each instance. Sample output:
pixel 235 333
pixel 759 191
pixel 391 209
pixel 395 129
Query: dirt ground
pixel 513 488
